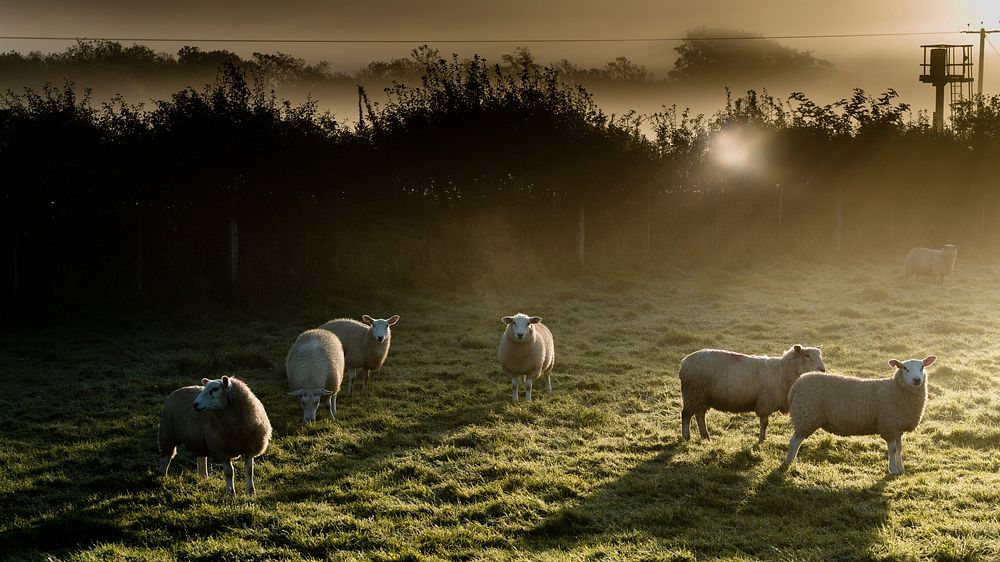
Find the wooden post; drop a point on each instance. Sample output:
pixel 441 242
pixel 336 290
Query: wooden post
pixel 336 237
pixel 892 225
pixel 718 212
pixel 982 218
pixel 840 216
pixel 649 221
pixel 16 257
pixel 138 261
pixel 581 237
pixel 779 211
pixel 234 250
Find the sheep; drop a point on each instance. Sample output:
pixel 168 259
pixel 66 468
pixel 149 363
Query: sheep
pixel 221 419
pixel 315 369
pixel 366 345
pixel 851 406
pixel 934 263
pixel 734 382
pixel 526 352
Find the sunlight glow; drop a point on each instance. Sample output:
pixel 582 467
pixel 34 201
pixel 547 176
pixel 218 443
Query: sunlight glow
pixel 731 150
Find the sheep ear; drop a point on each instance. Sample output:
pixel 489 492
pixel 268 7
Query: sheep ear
pixel 507 319
pixel 929 360
pixel 534 319
pixel 225 381
pixel 204 382
pixel 895 363
pixel 295 393
pixel 393 319
pixel 367 319
pixel 797 348
pixel 325 392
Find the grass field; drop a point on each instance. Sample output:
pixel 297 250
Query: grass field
pixel 436 462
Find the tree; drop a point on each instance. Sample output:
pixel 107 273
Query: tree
pixel 704 58
pixel 624 70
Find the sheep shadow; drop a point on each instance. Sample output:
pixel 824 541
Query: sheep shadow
pixel 723 500
pixel 60 500
pixel 362 446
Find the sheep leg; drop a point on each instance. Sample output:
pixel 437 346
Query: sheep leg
pixel 702 426
pixel 350 381
pixel 364 385
pixel 528 383
pixel 331 405
pixel 165 461
pixel 548 382
pixel 686 414
pixel 513 385
pixel 793 447
pixel 203 467
pixel 891 445
pixel 899 454
pixel 227 469
pixel 763 427
pixel 248 462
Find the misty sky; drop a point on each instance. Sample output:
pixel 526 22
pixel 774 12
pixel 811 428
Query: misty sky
pixel 872 63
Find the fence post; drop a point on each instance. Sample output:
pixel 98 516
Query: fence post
pixel 16 258
pixel 718 213
pixel 234 250
pixel 336 237
pixel 581 237
pixel 840 216
pixel 649 221
pixel 138 261
pixel 780 229
pixel 892 225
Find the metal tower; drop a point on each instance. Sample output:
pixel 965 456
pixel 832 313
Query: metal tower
pixel 947 65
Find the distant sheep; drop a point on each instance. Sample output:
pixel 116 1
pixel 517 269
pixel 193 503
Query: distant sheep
pixel 851 406
pixel 932 263
pixel 526 352
pixel 315 368
pixel 222 420
pixel 734 382
pixel 365 345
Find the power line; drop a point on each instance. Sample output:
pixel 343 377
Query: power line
pixel 525 40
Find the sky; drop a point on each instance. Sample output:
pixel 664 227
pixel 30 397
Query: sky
pixel 874 63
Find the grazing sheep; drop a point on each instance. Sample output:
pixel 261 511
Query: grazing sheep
pixel 526 352
pixel 222 420
pixel 315 369
pixel 365 345
pixel 933 263
pixel 733 382
pixel 851 406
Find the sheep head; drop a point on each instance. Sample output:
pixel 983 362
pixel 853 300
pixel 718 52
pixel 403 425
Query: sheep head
pixel 519 326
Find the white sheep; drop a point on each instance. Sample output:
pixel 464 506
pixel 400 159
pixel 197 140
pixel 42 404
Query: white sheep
pixel 734 382
pixel 366 345
pixel 222 420
pixel 932 263
pixel 315 368
pixel 851 406
pixel 526 352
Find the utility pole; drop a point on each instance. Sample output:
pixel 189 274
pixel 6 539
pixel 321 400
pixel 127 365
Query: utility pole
pixel 982 52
